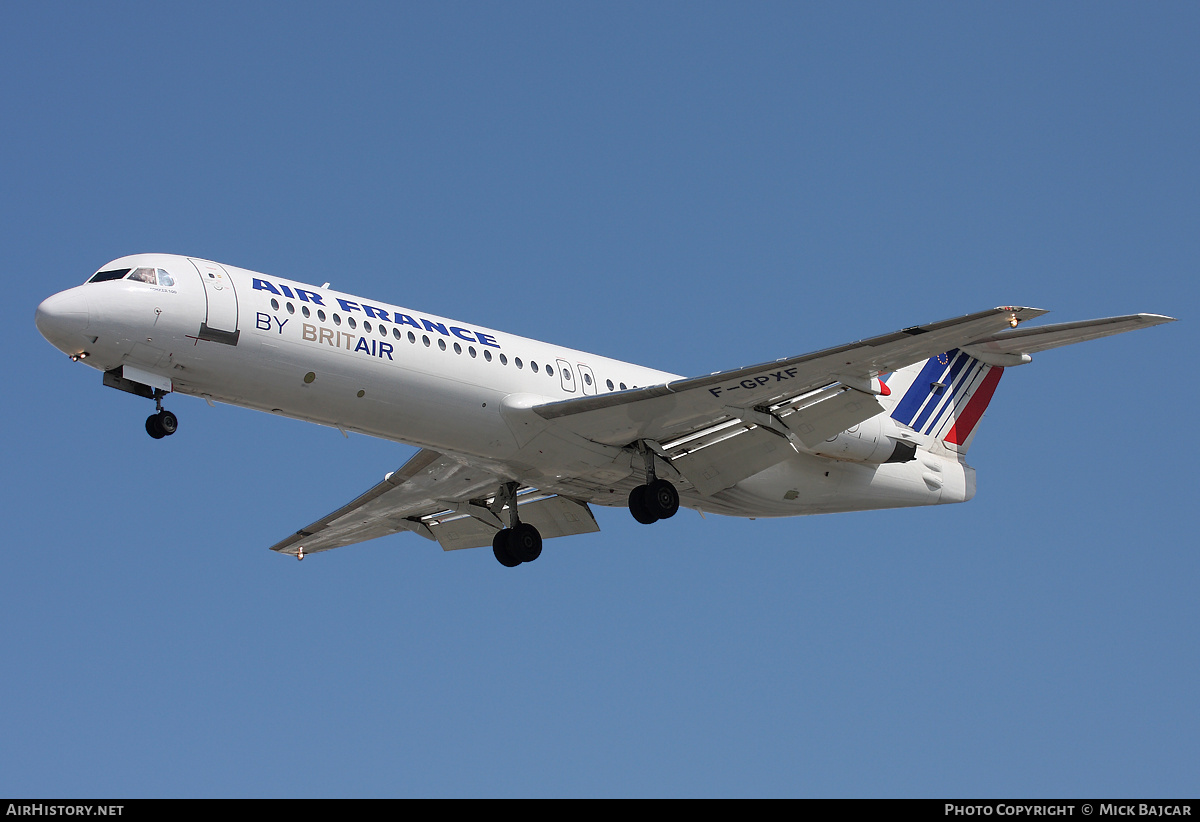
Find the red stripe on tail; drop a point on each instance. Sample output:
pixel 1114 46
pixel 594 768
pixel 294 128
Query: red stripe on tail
pixel 964 424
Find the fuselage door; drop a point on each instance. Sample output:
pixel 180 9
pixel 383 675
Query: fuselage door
pixel 586 378
pixel 221 311
pixel 566 375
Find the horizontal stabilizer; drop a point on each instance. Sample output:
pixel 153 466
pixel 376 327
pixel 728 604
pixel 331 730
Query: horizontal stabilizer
pixel 1013 347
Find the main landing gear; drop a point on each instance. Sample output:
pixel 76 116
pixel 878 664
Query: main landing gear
pixel 164 423
pixel 655 500
pixel 519 543
pixel 512 546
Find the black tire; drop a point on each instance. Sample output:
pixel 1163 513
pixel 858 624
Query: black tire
pixel 154 427
pixel 500 549
pixel 637 506
pixel 662 499
pixel 168 423
pixel 524 542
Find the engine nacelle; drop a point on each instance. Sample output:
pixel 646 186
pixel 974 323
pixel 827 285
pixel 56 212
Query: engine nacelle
pixel 877 440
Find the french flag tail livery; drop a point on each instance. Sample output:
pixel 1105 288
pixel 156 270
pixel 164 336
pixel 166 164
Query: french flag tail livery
pixel 944 396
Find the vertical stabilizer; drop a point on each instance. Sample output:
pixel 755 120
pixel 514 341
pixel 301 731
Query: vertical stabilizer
pixel 944 397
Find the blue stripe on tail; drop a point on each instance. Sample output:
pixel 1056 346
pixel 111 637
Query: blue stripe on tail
pixel 938 401
pixel 919 391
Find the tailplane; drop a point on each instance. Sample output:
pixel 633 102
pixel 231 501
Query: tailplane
pixel 945 396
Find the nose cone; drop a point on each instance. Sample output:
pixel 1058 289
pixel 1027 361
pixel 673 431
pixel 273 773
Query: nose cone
pixel 63 318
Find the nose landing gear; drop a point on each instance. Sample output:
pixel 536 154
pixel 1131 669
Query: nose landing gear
pixel 164 423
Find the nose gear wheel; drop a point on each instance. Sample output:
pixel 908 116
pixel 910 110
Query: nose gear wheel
pixel 162 424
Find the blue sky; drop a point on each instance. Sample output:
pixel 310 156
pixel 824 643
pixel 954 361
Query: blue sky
pixel 689 186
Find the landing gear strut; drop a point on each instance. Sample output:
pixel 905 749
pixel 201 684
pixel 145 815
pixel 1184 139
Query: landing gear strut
pixel 655 500
pixel 164 423
pixel 521 542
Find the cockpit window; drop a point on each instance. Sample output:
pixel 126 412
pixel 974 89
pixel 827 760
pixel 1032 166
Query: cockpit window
pixel 152 276
pixel 114 274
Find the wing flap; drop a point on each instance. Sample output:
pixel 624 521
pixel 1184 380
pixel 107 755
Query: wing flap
pixel 553 516
pixel 837 409
pixel 725 455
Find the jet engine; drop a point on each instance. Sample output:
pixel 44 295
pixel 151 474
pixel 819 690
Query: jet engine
pixel 877 440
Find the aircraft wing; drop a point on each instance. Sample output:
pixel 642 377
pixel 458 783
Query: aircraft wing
pixel 717 430
pixel 685 406
pixel 441 499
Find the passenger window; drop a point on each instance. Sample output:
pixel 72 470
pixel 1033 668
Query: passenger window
pixel 517 362
pixel 457 348
pixel 442 344
pixel 337 320
pixel 304 310
pixel 503 359
pixel 487 355
pixel 609 384
pixel 320 315
pixel 471 351
pixel 274 304
pixel 549 371
pixel 353 323
pixel 291 308
pixel 366 326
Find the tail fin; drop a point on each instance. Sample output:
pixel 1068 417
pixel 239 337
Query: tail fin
pixel 944 397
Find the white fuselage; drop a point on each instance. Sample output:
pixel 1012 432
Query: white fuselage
pixel 276 345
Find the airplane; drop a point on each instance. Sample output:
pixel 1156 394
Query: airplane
pixel 518 438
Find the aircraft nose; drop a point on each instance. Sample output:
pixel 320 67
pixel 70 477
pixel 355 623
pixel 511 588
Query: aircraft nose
pixel 63 318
